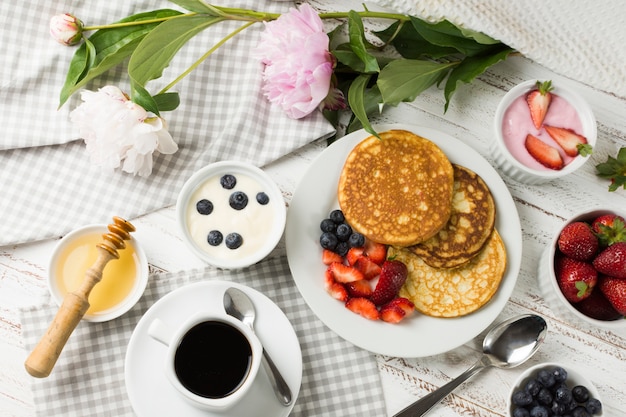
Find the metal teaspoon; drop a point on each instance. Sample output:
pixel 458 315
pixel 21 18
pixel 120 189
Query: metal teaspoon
pixel 506 345
pixel 239 305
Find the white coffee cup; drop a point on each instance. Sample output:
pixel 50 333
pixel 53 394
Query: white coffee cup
pixel 212 359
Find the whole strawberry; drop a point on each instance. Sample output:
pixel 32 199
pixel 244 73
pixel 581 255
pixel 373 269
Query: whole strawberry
pixel 576 279
pixel 614 289
pixel 577 241
pixel 597 306
pixel 392 276
pixel 609 228
pixel 612 261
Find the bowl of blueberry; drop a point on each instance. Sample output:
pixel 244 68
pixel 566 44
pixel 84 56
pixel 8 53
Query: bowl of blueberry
pixel 551 389
pixel 231 214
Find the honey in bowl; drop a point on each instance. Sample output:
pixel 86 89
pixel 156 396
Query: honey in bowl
pixel 118 278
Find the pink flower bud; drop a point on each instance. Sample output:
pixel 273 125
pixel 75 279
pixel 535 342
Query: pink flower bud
pixel 66 29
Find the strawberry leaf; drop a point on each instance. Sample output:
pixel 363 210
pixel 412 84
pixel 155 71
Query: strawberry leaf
pixel 582 288
pixel 614 169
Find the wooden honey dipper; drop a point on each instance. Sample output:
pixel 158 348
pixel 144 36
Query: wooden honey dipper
pixel 43 357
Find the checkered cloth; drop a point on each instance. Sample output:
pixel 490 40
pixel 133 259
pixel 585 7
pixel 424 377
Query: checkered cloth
pixel 49 186
pixel 339 379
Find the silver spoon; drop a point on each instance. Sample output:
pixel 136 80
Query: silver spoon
pixel 506 345
pixel 239 305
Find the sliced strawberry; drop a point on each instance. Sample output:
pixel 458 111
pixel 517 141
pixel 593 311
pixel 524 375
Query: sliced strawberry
pixel 364 307
pixel 369 268
pixel 354 254
pixel 392 277
pixel 377 252
pixel 344 273
pixel 404 303
pixel 545 154
pixel 361 288
pixel 538 102
pixel 567 139
pixel 392 313
pixel 328 257
pixel 335 289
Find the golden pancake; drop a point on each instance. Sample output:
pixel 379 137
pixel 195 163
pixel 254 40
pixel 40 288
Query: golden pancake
pixel 453 292
pixel 471 222
pixel 397 189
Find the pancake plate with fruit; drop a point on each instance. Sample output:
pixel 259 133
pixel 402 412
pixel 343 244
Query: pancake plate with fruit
pixel 453 292
pixel 471 222
pixel 397 189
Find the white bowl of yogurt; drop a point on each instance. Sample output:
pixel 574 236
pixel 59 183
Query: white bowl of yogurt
pixel 513 123
pixel 231 214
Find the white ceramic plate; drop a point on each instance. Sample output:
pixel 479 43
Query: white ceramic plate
pixel 151 395
pixel 419 336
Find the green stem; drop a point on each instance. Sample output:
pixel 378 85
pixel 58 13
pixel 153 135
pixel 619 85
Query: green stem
pixel 136 23
pixel 205 56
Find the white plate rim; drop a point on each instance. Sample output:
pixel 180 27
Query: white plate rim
pixel 420 336
pixel 270 321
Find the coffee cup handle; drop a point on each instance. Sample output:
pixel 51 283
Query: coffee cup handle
pixel 160 332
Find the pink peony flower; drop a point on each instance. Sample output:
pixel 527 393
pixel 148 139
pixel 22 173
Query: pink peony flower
pixel 118 132
pixel 298 64
pixel 66 29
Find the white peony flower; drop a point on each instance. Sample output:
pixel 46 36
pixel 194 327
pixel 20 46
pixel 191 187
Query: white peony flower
pixel 118 132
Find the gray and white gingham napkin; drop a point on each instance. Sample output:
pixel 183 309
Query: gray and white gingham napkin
pixel 49 186
pixel 339 379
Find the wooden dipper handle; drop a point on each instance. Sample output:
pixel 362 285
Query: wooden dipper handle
pixel 44 356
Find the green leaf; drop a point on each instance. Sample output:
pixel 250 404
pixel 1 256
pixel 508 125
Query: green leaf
pixel 198 6
pixel 405 79
pixel 372 103
pixel 107 48
pixel 446 34
pixel 410 44
pixel 359 44
pixel 471 67
pixel 157 49
pixel 167 101
pixel 356 100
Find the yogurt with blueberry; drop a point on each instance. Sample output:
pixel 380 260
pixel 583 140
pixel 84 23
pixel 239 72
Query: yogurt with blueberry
pixel 230 216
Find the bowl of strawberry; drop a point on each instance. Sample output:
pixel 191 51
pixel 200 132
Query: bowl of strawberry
pixel 582 273
pixel 543 131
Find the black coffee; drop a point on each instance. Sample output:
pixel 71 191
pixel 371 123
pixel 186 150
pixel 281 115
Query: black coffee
pixel 213 359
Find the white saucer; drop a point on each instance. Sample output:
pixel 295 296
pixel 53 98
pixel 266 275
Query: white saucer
pixel 151 395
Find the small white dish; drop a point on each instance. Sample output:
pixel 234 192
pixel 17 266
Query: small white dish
pixel 260 225
pixel 574 378
pixel 134 293
pixel 152 395
pixel 420 335
pixel 515 169
pixel 550 288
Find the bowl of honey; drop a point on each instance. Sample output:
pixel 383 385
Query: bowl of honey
pixel 123 280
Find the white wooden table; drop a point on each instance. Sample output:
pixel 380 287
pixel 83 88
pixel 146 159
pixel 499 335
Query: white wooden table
pixel 599 354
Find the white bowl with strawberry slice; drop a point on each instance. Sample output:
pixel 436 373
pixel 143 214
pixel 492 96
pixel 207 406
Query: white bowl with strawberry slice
pixel 543 131
pixel 582 273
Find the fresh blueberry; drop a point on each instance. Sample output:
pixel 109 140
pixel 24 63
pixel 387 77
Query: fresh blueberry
pixel 560 374
pixel 327 225
pixel 328 241
pixel 228 181
pixel 558 408
pixel 594 406
pixel 343 232
pixel 539 411
pixel 522 398
pixel 580 411
pixel 262 198
pixel 342 248
pixel 337 216
pixel 356 240
pixel 238 200
pixel 214 237
pixel 204 207
pixel 563 395
pixel 521 412
pixel 580 393
pixel 545 396
pixel 546 378
pixel 533 387
pixel 233 240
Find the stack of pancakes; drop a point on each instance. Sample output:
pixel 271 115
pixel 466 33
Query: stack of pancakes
pixel 437 217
